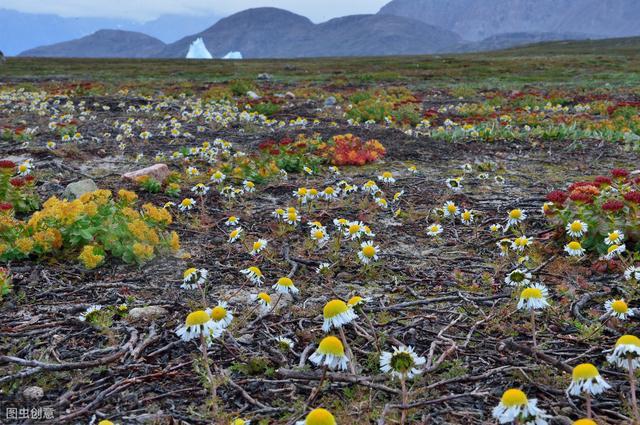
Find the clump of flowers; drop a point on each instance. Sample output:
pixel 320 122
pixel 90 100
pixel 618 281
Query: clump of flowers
pixel 348 149
pixel 17 192
pixel 95 225
pixel 600 216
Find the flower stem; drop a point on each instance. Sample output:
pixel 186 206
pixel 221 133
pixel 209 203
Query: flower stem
pixel 212 385
pixel 533 328
pixel 588 405
pixel 352 362
pixel 405 399
pixel 632 382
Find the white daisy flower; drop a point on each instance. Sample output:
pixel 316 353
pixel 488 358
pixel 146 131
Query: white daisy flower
pixel 264 301
pixel 387 177
pixel 577 228
pixel 285 285
pixel 403 362
pixel 434 230
pixel 368 252
pixel 455 184
pixel 534 298
pixel 585 378
pixel 337 313
pixel 200 189
pixel 618 308
pixel 187 204
pixel 518 277
pixel 221 315
pixel 613 251
pixel 450 209
pixel 253 274
pixel 232 221
pixel 632 272
pixel 235 235
pixel 627 350
pixel 258 246
pixel 574 249
pixel 248 186
pixel 285 342
pixel 318 417
pixel 516 216
pixel 196 324
pixel 330 353
pixel 88 312
pixel 194 278
pixel 515 406
pixel 614 238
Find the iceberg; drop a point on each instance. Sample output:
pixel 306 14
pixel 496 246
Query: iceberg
pixel 233 55
pixel 198 50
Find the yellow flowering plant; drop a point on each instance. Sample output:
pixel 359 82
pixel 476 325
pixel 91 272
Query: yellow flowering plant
pixel 97 225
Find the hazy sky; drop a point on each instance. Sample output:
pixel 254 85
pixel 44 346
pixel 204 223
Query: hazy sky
pixel 316 10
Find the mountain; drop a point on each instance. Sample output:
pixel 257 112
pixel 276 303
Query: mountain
pixel 21 31
pixel 476 20
pixel 508 40
pixel 103 44
pixel 271 33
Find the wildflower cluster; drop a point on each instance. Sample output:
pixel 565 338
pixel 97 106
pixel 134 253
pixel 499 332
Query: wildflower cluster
pixel 17 192
pixel 96 224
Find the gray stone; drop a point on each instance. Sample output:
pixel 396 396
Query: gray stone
pixel 77 189
pixel 290 95
pixel 33 393
pixel 253 95
pixel 146 314
pixel 265 77
pixel 330 101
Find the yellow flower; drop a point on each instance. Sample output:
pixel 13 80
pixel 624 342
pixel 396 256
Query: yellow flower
pixel 24 245
pixel 159 215
pixel 174 241
pixel 143 252
pixel 127 196
pixel 89 258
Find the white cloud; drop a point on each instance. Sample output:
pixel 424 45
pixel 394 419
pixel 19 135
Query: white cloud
pixel 316 10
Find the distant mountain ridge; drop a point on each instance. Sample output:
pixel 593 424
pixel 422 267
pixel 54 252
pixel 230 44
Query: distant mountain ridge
pixel 271 33
pixel 402 27
pixel 476 20
pixel 103 44
pixel 22 31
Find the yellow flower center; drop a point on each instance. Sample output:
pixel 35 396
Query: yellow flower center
pixel 628 340
pixel 619 306
pixel 218 313
pixel 354 228
pixel 105 422
pixel 334 308
pixel 189 272
pixel 257 245
pixel 612 248
pixel 318 234
pixel 531 293
pixel 452 208
pixel 515 214
pixel 285 281
pixel 293 216
pixel 320 417
pixel 387 175
pixel 514 397
pixel 466 215
pixel 614 236
pixel 331 345
pixel 265 297
pixel 584 422
pixel 575 245
pixel 369 251
pixel 199 317
pixel 255 271
pixel 576 226
pixel 355 300
pixel 302 191
pixel 584 371
pixel 233 219
pixel 234 233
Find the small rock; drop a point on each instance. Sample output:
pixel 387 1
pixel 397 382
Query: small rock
pixel 290 95
pixel 253 95
pixel 159 172
pixel 330 101
pixel 265 77
pixel 33 393
pixel 245 339
pixel 77 189
pixel 147 314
